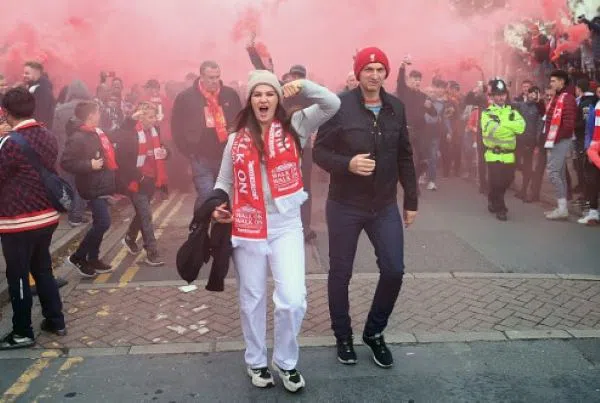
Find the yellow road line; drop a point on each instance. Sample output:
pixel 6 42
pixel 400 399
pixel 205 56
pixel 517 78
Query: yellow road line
pixel 128 275
pixel 24 381
pixel 70 363
pixel 103 278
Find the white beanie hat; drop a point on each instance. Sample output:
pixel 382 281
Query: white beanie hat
pixel 258 77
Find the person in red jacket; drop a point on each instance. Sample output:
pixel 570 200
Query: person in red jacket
pixel 559 129
pixel 27 221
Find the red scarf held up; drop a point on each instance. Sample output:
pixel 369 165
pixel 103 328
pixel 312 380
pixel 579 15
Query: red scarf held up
pixel 149 149
pixel 213 113
pixel 110 161
pixel 555 120
pixel 282 161
pixel 593 151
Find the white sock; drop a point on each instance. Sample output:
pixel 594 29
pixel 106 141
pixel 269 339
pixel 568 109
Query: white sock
pixel 562 204
pixel 593 212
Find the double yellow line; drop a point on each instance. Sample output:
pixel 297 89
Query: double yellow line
pixel 131 271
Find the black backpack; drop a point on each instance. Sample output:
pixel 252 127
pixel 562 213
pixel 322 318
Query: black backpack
pixel 60 193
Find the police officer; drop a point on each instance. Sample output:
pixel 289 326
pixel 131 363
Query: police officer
pixel 500 125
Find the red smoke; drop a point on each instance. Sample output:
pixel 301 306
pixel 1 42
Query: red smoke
pixel 166 40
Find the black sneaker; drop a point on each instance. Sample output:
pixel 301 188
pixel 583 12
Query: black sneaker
pixel 99 266
pixel 82 266
pixel 13 341
pixel 131 245
pixel 381 354
pixel 261 377
pixel 47 326
pixel 293 381
pixel 345 351
pixel 153 258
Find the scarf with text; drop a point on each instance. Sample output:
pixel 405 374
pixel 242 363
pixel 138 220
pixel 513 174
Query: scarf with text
pixel 555 120
pixel 152 148
pixel 282 160
pixel 213 113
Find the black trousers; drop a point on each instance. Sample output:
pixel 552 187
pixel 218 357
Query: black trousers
pixel 592 184
pixel 538 172
pixel 24 253
pixel 524 156
pixel 481 165
pixel 500 177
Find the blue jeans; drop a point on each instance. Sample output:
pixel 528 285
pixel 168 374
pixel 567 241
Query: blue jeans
pixel 385 230
pixel 142 222
pixel 79 205
pixel 204 173
pixel 24 253
pixel 89 248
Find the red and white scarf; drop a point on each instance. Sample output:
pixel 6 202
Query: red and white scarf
pixel 213 113
pixel 154 149
pixel 110 161
pixel 282 160
pixel 555 121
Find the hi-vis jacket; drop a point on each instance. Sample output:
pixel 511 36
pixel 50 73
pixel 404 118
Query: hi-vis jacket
pixel 500 126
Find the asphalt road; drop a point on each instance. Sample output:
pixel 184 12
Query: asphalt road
pixel 534 371
pixel 453 232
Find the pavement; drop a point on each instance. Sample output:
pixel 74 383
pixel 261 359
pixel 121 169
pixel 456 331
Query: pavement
pixel 471 281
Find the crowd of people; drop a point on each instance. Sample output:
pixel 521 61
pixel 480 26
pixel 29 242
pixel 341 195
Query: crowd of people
pixel 248 150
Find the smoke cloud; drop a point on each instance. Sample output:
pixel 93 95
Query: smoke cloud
pixel 165 40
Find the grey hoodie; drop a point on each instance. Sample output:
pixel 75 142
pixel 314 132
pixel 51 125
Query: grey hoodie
pixel 76 92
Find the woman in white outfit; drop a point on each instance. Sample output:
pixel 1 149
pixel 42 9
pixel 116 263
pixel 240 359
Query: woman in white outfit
pixel 261 173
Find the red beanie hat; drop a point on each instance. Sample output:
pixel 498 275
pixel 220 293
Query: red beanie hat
pixel 370 55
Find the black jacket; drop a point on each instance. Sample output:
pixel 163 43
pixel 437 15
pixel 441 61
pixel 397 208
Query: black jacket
pixel 534 125
pixel 414 102
pixel 355 130
pixel 587 103
pixel 83 146
pixel 202 245
pixel 188 123
pixel 44 101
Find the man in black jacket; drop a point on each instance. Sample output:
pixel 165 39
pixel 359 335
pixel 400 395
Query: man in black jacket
pixel 41 88
pixel 417 104
pixel 594 27
pixel 199 123
pixel 90 157
pixel 366 149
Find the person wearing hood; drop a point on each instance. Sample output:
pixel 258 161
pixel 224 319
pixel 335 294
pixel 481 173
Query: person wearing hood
pixel 76 92
pixel 199 125
pixel 40 86
pixel 90 156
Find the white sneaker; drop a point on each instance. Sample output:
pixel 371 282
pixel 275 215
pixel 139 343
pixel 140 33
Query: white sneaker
pixel 422 180
pixel 261 377
pixel 592 218
pixel 431 186
pixel 293 381
pixel 557 214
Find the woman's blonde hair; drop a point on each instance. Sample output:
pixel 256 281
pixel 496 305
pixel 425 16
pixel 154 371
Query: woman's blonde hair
pixel 142 108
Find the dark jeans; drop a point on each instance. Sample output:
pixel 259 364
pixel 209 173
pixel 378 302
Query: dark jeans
pixel 592 184
pixel 579 163
pixel 451 150
pixel 524 157
pixel 89 248
pixel 24 253
pixel 204 173
pixel 143 216
pixel 384 229
pixel 306 209
pixel 500 177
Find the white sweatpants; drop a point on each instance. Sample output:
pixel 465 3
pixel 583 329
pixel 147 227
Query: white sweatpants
pixel 286 260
